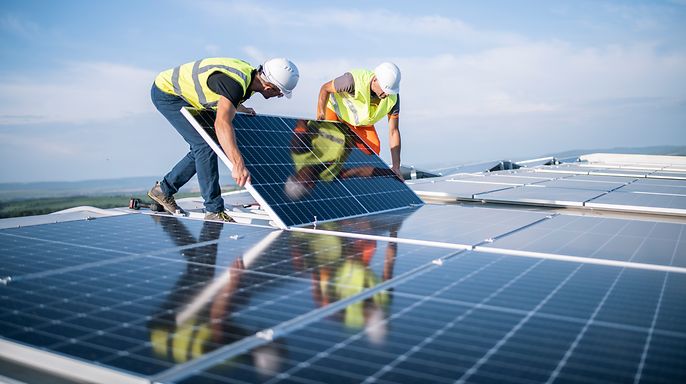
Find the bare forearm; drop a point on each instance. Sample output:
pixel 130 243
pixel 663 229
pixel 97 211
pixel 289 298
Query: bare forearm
pixel 394 143
pixel 324 93
pixel 227 140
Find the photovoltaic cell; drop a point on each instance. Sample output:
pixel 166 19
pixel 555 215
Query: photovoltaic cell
pixel 505 178
pixel 541 195
pixel 602 238
pixel 601 178
pixel 460 225
pixel 210 286
pixel 571 183
pixel 654 189
pixel 455 189
pixel 641 202
pixel 171 300
pixel 307 171
pixel 494 319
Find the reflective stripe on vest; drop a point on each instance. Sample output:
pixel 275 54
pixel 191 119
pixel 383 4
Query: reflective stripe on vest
pixel 357 109
pixel 189 80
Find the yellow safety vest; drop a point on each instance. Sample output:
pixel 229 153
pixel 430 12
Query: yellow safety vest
pixel 328 147
pixel 188 341
pixel 189 80
pixel 357 109
pixel 351 279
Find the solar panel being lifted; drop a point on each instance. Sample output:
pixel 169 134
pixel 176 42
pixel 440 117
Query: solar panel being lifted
pixel 305 171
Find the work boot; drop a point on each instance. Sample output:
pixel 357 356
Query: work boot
pixel 165 201
pixel 219 216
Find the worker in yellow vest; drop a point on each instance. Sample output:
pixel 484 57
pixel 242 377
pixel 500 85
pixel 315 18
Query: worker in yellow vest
pixel 360 98
pixel 213 83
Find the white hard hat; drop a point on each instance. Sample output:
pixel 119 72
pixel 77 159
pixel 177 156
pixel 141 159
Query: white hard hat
pixel 294 190
pixel 282 73
pixel 388 76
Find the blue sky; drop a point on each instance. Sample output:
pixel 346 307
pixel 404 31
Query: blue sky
pixel 482 80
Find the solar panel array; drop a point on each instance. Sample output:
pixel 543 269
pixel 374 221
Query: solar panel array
pixel 641 188
pixel 305 171
pixel 427 294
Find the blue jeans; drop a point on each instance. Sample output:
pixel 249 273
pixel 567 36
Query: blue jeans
pixel 201 159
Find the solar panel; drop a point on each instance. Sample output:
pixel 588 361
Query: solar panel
pixel 641 202
pixel 447 224
pixel 541 195
pixel 494 319
pixel 455 189
pixel 601 178
pixel 147 311
pixel 572 183
pixel 504 178
pixel 304 171
pixel 665 182
pixel 602 238
pixel 653 188
pixel 430 293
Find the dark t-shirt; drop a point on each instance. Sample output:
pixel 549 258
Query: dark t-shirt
pixel 346 83
pixel 222 84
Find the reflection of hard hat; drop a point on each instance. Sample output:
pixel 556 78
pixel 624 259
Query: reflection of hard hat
pixel 282 73
pixel 295 190
pixel 376 327
pixel 388 76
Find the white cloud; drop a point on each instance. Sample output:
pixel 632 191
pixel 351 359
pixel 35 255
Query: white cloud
pixel 371 22
pixel 79 92
pixel 555 83
pixel 19 26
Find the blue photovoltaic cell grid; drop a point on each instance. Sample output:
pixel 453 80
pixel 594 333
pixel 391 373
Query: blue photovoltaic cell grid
pixel 541 195
pixel 647 202
pixel 572 183
pixel 131 313
pixel 602 238
pixel 655 189
pixel 49 247
pixel 465 225
pixel 333 173
pixel 145 294
pixel 493 319
pixel 455 189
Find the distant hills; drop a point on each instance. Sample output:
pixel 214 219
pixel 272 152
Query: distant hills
pixel 103 187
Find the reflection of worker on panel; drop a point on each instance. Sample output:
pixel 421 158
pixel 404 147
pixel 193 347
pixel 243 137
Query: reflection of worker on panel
pixel 340 269
pixel 196 316
pixel 319 150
